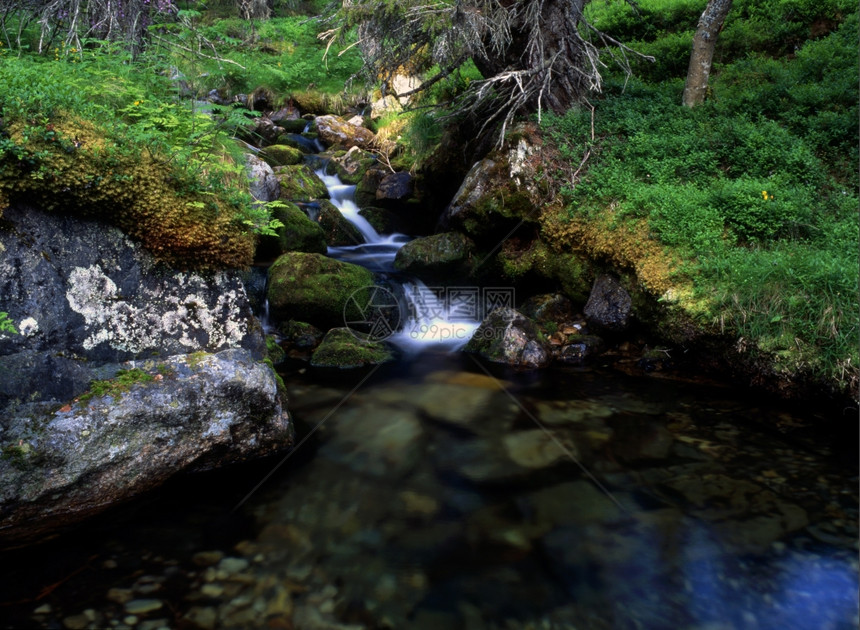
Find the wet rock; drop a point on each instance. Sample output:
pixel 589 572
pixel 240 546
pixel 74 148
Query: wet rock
pixel 570 503
pixel 538 448
pixel 584 348
pixel 609 306
pixel 298 234
pixel 352 166
pixel 202 617
pixel 299 183
pixel 305 143
pixel 281 155
pixel 336 131
pixel 263 185
pixel 120 595
pixel 143 606
pixel 385 221
pixel 338 230
pixel 261 132
pixel 207 558
pixel 571 412
pixel 437 254
pixel 507 336
pixel 365 190
pixel 317 289
pixel 340 348
pixel 394 188
pixel 463 209
pixel 379 441
pixel 188 412
pixel 480 410
pixel 299 339
pixel 76 622
pixel 746 516
pixel 288 113
pixel 480 461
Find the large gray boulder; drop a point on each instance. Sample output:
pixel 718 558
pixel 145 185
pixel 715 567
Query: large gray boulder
pixel 262 183
pixel 131 433
pixel 87 303
pixel 335 130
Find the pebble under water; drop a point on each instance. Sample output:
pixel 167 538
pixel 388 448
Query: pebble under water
pixel 436 495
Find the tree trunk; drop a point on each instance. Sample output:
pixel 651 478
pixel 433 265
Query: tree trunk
pixel 710 25
pixel 546 42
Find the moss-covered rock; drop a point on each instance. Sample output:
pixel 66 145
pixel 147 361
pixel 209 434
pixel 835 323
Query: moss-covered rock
pixel 316 289
pixel 438 253
pixel 351 166
pixel 282 155
pixel 383 221
pixel 299 183
pixel 337 229
pixel 341 349
pixel 365 190
pixel 298 234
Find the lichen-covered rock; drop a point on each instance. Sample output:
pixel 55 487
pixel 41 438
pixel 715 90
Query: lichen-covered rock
pixel 282 155
pixel 298 234
pixel 507 336
pixel 179 413
pixel 93 296
pixel 335 130
pixel 299 183
pixel 316 289
pixel 439 253
pixel 609 306
pixel 262 183
pixel 341 349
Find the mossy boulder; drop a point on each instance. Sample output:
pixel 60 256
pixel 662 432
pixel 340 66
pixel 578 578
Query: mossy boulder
pixel 282 155
pixel 299 183
pixel 383 221
pixel 351 166
pixel 298 234
pixel 341 349
pixel 439 253
pixel 365 190
pixel 317 289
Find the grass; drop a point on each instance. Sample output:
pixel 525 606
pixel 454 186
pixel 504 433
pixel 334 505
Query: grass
pixel 755 192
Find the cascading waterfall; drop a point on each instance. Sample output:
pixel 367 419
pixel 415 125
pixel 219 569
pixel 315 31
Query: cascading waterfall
pixel 431 319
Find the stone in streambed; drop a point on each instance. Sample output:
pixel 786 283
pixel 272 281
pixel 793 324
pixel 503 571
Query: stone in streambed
pixel 282 155
pixel 609 306
pixel 317 289
pixel 439 253
pixel 341 349
pixel 298 234
pixel 299 183
pixel 509 337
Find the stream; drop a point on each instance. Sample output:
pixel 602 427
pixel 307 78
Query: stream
pixel 443 493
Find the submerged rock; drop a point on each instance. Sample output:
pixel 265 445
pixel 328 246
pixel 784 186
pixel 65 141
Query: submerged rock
pixel 341 349
pixel 507 336
pixel 132 433
pixel 317 289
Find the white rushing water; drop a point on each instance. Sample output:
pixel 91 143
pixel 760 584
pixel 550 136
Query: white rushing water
pixel 431 317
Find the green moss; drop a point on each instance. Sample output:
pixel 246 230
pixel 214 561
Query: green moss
pixel 115 387
pixel 298 233
pixel 341 349
pixel 282 155
pixel 314 288
pixel 298 182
